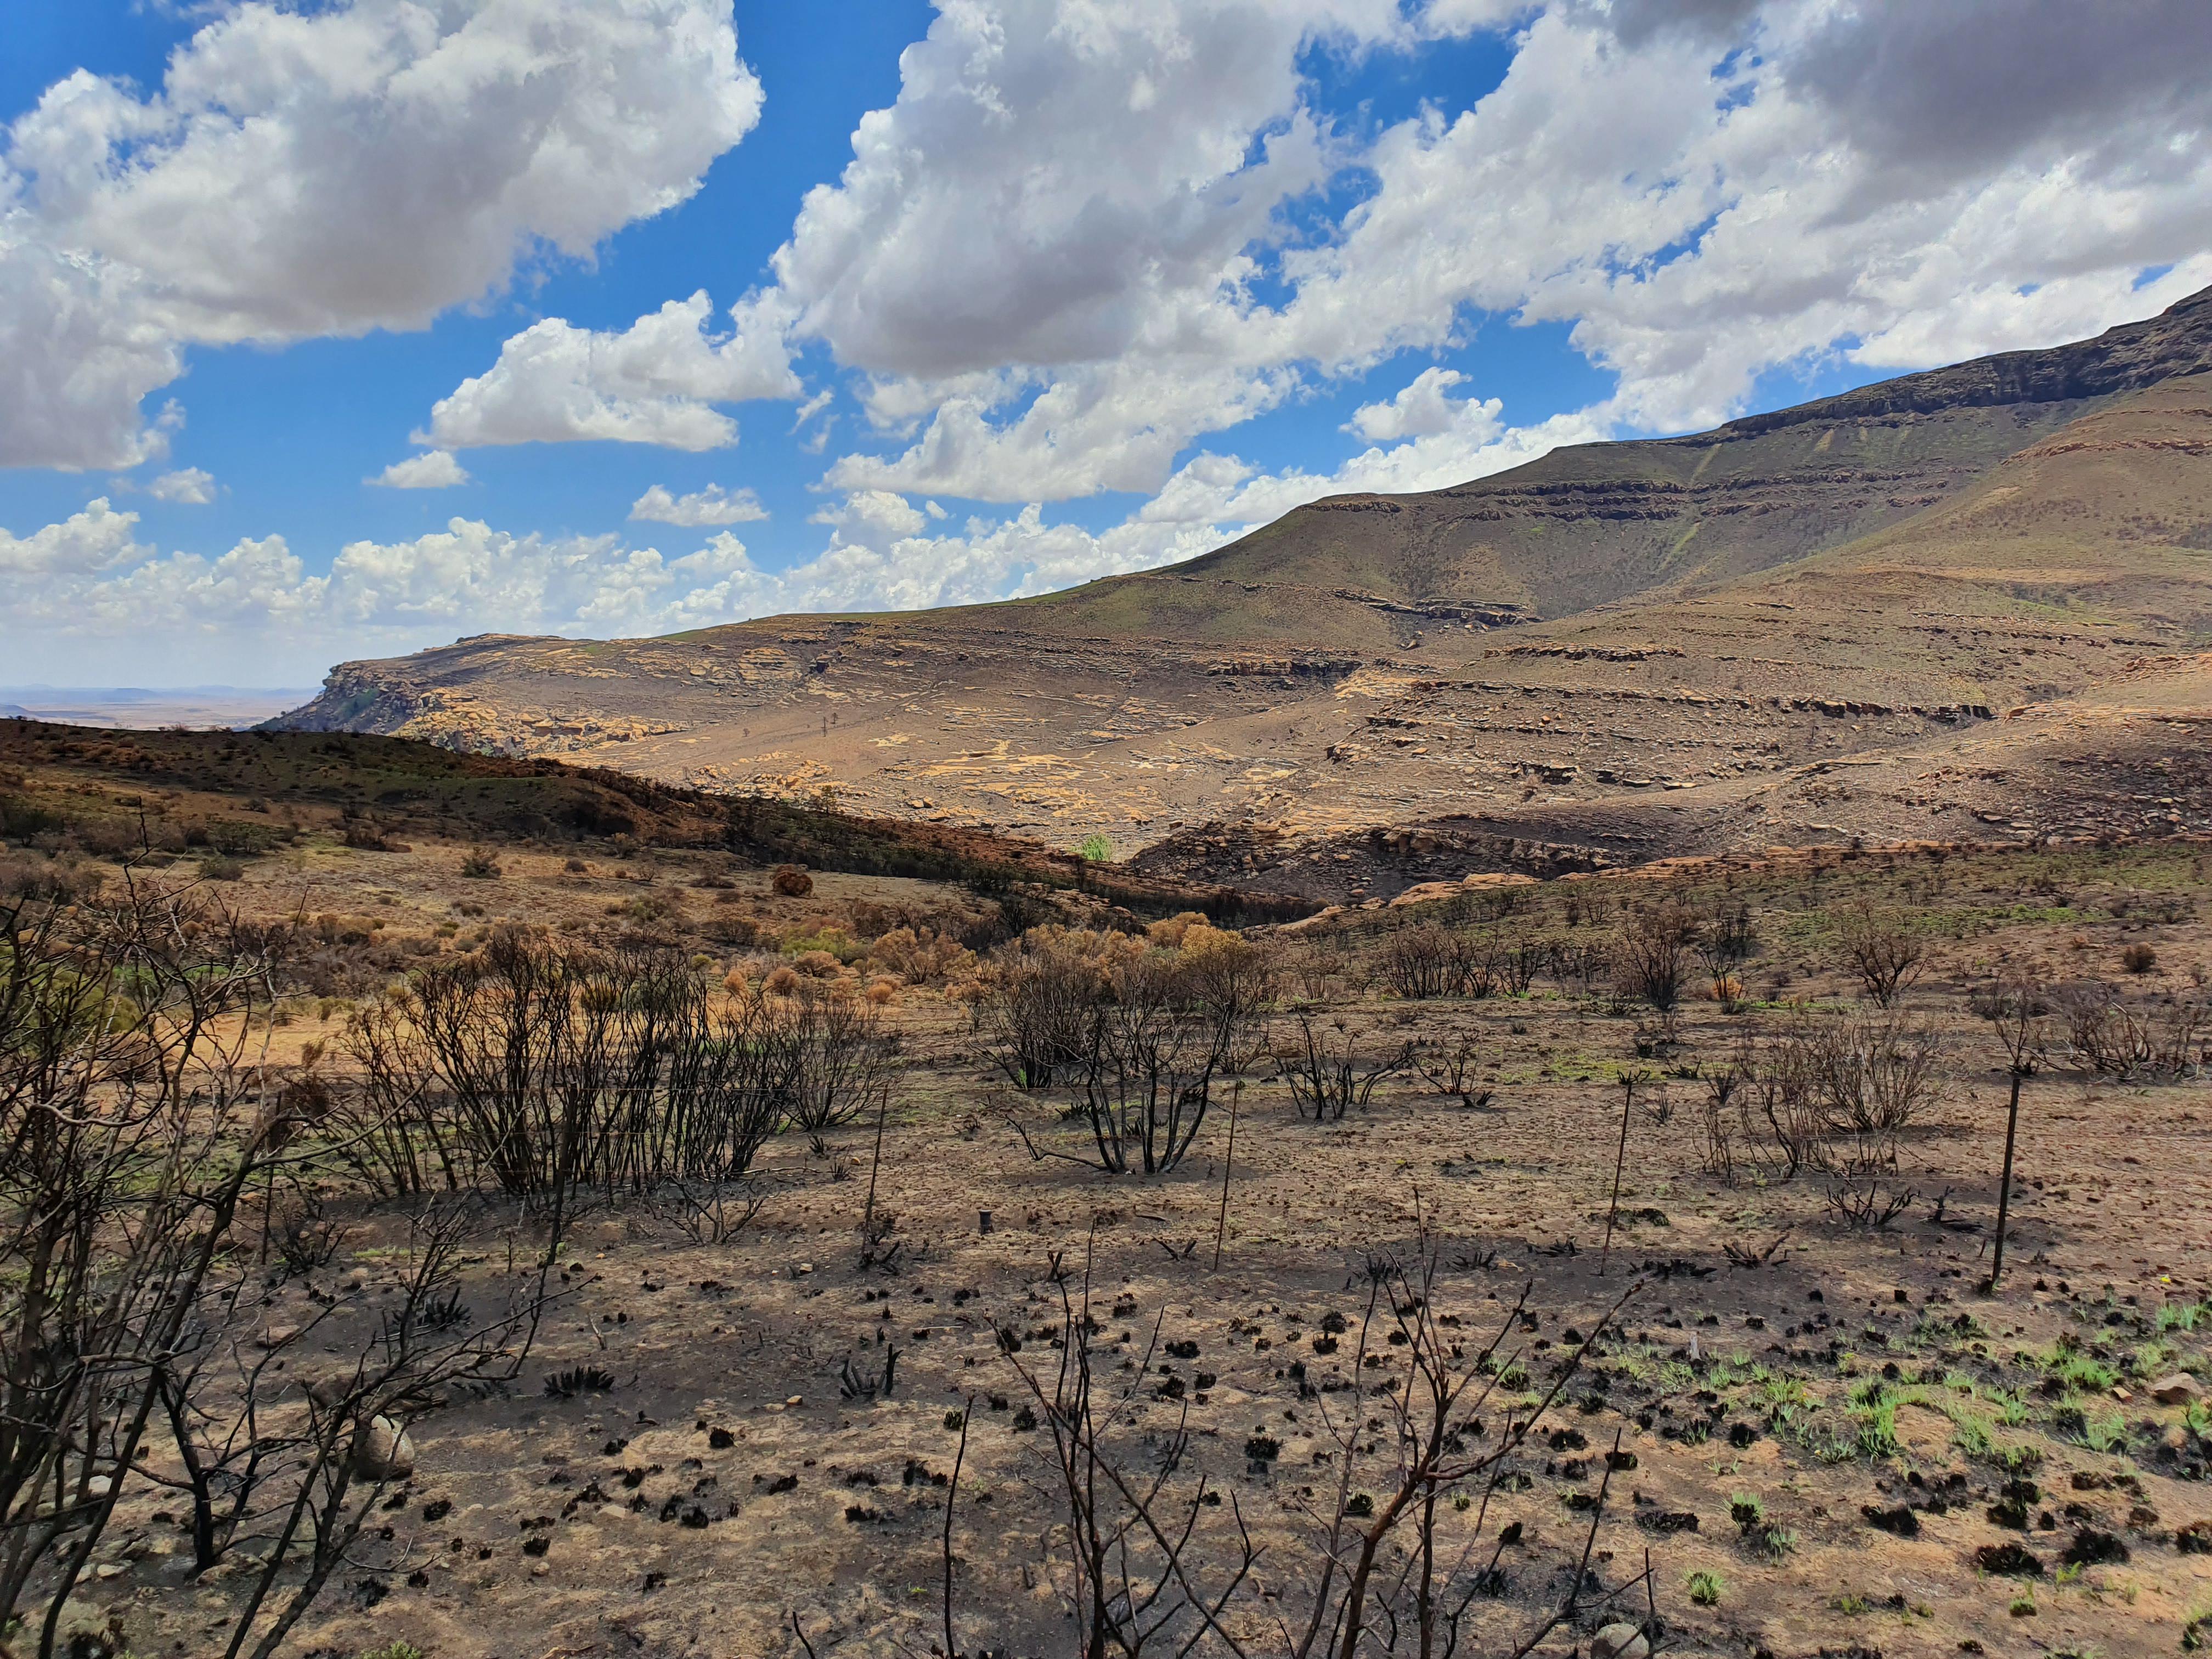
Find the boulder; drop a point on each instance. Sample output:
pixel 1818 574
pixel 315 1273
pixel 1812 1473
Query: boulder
pixel 2178 1389
pixel 383 1451
pixel 1621 1641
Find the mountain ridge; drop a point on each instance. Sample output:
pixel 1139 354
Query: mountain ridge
pixel 1607 629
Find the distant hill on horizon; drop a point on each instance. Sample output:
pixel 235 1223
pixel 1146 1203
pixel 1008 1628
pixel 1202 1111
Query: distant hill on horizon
pixel 145 709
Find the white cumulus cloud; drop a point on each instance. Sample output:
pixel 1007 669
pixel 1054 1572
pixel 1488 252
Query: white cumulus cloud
pixel 1423 408
pixel 97 538
pixel 190 486
pixel 434 469
pixel 331 170
pixel 86 597
pixel 711 505
pixel 655 382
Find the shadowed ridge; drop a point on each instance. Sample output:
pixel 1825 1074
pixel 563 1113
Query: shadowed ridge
pixel 2176 342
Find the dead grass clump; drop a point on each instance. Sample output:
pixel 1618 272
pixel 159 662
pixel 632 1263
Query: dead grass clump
pixel 921 957
pixel 1150 1061
pixel 840 1061
pixel 1650 954
pixel 1421 962
pixel 1834 1096
pixel 740 931
pixel 60 880
pixel 1169 933
pixel 2104 1031
pixel 534 1066
pixel 1038 998
pixel 1327 1076
pixel 1884 951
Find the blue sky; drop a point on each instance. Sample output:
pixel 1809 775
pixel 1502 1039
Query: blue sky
pixel 1024 292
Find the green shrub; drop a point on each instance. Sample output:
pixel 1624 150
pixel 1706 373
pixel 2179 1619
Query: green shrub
pixel 1096 849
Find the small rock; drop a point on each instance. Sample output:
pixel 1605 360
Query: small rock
pixel 1622 1641
pixel 794 1401
pixel 383 1451
pixel 2177 1390
pixel 98 1487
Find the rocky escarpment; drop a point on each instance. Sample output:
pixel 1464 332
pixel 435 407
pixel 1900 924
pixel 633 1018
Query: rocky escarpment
pixel 2177 341
pixel 1834 623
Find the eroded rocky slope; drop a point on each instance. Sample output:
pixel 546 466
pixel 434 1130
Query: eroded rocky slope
pixel 1921 609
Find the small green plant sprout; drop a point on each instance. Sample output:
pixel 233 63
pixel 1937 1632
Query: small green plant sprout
pixel 2197 1634
pixel 1746 1510
pixel 395 1649
pixel 2104 1431
pixel 2023 1606
pixel 2083 1375
pixel 2179 1315
pixel 1705 1589
pixel 1850 1605
pixel 1096 849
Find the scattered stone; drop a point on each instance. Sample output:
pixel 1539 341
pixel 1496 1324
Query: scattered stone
pixel 2178 1389
pixel 1621 1641
pixel 383 1451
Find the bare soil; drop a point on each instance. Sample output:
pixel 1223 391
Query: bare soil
pixel 724 1487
